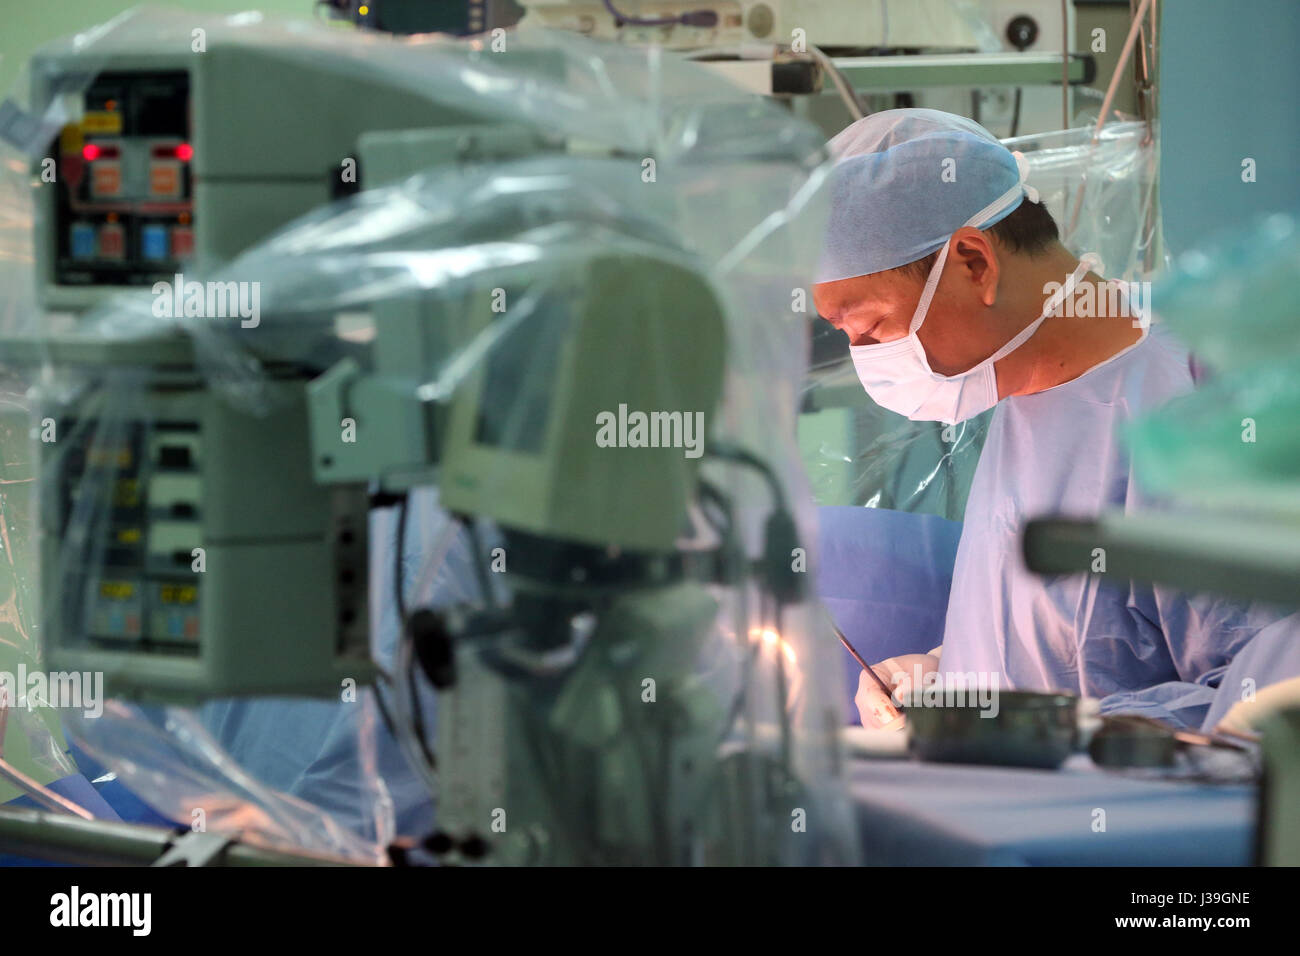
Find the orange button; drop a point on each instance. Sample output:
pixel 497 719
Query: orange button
pixel 182 243
pixel 112 242
pixel 165 179
pixel 105 178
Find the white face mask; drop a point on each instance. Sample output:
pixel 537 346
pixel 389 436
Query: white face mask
pixel 898 376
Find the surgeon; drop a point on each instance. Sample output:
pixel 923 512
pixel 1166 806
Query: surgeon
pixel 957 295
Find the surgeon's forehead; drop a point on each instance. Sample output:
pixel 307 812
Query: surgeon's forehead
pixel 842 295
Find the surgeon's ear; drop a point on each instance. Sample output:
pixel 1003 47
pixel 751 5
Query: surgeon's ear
pixel 978 258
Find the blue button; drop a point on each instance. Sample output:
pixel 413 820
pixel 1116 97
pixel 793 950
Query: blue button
pixel 175 625
pixel 153 242
pixel 83 241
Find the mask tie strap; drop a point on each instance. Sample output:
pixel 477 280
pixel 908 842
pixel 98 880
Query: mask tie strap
pixel 997 205
pixel 931 283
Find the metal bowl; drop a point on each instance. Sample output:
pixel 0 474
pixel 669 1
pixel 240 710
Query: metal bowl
pixel 1025 729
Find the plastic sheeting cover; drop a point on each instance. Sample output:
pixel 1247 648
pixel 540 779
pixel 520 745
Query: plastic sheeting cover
pixel 733 197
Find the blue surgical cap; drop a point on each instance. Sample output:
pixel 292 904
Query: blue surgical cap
pixel 904 181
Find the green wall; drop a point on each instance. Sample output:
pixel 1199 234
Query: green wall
pixel 27 25
pixel 1229 78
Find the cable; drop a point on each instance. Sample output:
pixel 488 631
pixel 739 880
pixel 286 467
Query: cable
pixel 1125 52
pixel 383 708
pixel 692 18
pixel 1065 64
pixel 417 718
pixel 840 82
pixel 398 553
pixel 724 523
pixel 413 746
pixel 417 712
pixel 729 452
pixel 1015 114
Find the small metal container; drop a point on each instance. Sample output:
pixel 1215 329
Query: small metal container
pixel 1025 729
pixel 1126 742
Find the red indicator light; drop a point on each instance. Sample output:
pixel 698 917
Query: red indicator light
pixel 90 152
pixel 185 152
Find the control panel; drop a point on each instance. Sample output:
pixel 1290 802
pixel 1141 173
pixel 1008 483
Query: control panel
pixel 136 584
pixel 188 553
pixel 124 208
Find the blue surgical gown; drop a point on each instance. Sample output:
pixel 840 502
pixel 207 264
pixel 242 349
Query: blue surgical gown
pixel 1157 650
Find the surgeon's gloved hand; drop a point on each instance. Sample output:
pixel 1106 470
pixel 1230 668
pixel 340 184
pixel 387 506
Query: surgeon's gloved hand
pixel 901 673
